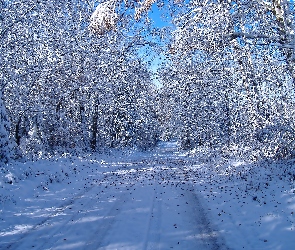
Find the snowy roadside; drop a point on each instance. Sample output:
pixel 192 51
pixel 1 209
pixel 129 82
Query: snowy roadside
pixel 252 206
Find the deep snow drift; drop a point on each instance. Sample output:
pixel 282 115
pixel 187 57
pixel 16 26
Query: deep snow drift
pixel 162 199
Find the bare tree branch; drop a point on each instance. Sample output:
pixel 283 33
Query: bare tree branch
pixel 16 21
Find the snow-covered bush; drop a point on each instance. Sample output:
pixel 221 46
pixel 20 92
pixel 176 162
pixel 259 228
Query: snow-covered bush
pixel 32 146
pixel 277 141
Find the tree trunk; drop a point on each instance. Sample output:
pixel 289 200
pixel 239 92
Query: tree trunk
pixel 93 140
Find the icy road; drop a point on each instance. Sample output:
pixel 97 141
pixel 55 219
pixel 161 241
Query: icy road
pixel 147 203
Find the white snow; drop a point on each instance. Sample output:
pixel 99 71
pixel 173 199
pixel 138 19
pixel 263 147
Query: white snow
pixel 162 199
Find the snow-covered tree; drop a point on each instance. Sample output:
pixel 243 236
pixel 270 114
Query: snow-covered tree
pixel 5 145
pixel 225 85
pixel 67 89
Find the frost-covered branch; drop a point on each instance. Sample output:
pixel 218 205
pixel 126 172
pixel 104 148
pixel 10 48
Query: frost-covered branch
pixel 6 29
pixel 104 17
pixel 250 36
pixel 145 5
pixel 272 40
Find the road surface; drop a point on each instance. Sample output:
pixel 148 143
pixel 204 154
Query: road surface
pixel 151 203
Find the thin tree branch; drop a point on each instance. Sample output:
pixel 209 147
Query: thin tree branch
pixel 16 21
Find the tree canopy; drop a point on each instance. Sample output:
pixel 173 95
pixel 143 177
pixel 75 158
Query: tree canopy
pixel 76 76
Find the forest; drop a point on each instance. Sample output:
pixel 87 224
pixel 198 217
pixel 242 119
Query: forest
pixel 76 76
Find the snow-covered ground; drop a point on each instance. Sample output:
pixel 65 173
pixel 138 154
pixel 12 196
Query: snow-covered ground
pixel 162 199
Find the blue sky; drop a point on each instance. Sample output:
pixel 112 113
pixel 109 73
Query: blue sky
pixel 159 19
pixel 155 14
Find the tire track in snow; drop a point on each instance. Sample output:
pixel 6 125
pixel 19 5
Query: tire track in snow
pixel 153 239
pixel 131 227
pixel 58 211
pixel 151 217
pixel 107 222
pixel 211 239
pixel 106 218
pixel 74 219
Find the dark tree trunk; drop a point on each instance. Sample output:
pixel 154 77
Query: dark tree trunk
pixel 93 140
pixel 17 131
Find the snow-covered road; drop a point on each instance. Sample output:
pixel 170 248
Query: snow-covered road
pixel 149 203
pixel 162 199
